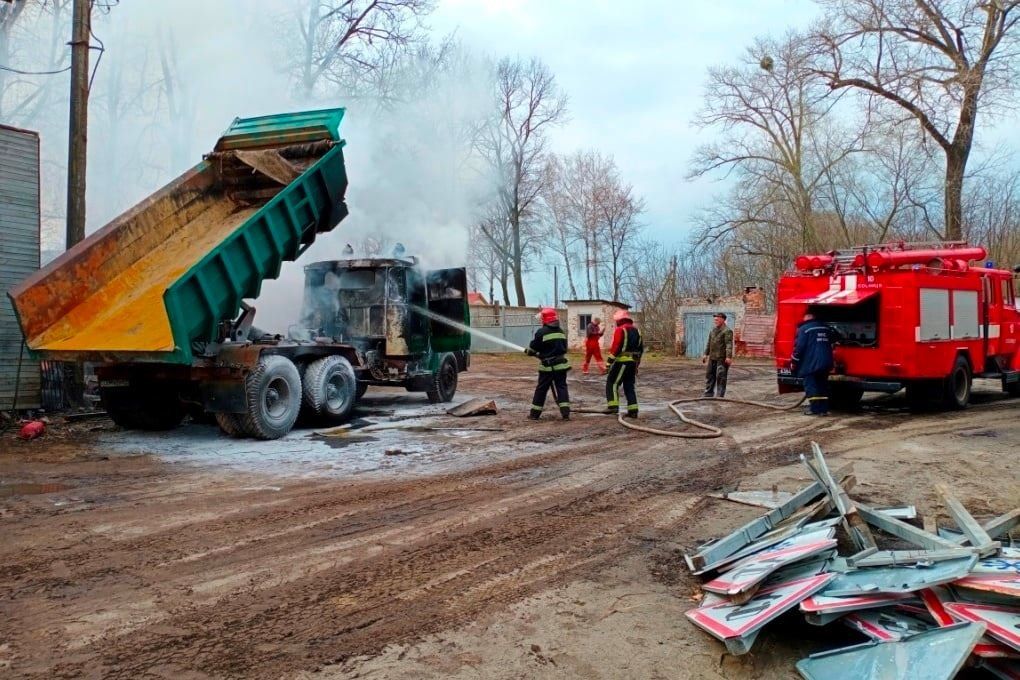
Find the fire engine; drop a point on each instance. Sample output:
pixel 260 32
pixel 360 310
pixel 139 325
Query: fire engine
pixel 918 317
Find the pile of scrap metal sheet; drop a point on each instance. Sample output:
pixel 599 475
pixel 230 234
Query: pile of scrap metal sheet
pixel 950 599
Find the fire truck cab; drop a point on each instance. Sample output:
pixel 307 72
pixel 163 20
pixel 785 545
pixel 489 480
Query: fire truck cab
pixel 908 316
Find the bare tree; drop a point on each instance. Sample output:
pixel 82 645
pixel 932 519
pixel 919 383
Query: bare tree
pixel 341 40
pixel 529 103
pixel 770 109
pixel 558 216
pixel 937 63
pixel 619 210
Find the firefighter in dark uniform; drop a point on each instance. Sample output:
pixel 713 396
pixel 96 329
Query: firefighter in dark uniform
pixel 623 359
pixel 812 361
pixel 550 346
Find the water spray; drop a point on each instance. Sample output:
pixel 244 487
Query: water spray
pixel 467 329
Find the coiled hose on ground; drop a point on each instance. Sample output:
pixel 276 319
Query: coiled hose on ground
pixel 711 432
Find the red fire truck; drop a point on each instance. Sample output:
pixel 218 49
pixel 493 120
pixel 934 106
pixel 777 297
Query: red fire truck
pixel 913 316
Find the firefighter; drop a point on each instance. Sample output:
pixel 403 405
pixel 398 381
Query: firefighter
pixel 550 346
pixel 718 357
pixel 624 359
pixel 592 341
pixel 812 361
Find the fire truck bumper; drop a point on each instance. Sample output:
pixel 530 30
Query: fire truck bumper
pixel 791 383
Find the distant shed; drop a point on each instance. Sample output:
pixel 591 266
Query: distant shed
pixel 19 257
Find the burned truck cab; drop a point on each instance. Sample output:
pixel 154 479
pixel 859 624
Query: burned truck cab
pixel 409 326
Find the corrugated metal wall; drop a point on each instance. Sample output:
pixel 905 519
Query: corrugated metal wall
pixel 19 256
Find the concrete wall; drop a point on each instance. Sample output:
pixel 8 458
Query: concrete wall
pixel 513 324
pixel 19 257
pixel 599 308
pixel 743 311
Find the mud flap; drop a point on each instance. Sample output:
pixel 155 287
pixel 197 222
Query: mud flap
pixel 224 396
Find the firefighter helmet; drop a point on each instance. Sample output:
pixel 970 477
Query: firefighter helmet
pixel 547 315
pixel 621 315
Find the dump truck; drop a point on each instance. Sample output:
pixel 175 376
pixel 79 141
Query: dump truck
pixel 913 316
pixel 156 299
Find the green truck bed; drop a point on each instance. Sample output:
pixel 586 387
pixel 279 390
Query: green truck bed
pixel 167 272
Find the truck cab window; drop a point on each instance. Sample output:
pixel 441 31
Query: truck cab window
pixel 1008 298
pixel 356 279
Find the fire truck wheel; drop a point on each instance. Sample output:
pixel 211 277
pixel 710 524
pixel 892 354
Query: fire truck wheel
pixel 956 388
pixel 845 397
pixel 444 381
pixel 330 388
pixel 273 393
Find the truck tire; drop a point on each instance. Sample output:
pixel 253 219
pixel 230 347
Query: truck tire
pixel 273 393
pixel 230 424
pixel 845 397
pixel 443 385
pixel 956 387
pixel 330 388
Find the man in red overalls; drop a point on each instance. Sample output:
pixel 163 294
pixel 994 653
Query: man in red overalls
pixel 592 346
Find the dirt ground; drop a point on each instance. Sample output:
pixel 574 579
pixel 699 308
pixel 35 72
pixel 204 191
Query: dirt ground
pixel 548 550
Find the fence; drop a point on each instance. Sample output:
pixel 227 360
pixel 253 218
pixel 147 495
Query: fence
pixel 513 324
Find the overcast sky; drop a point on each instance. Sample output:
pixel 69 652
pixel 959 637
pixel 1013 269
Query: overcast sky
pixel 634 73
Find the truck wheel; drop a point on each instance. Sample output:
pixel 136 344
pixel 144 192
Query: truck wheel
pixel 956 388
pixel 845 397
pixel 330 388
pixel 444 381
pixel 230 423
pixel 273 393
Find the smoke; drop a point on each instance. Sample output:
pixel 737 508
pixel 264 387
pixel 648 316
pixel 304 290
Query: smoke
pixel 414 176
pixel 173 76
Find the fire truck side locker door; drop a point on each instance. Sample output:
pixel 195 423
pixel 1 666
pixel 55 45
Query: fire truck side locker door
pixel 986 296
pixel 934 314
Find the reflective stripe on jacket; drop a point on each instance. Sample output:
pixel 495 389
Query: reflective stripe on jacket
pixel 550 346
pixel 627 344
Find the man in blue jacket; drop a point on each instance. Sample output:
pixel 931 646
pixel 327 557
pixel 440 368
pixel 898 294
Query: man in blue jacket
pixel 812 360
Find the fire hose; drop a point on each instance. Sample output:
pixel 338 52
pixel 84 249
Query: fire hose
pixel 711 432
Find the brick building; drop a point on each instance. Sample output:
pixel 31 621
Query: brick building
pixel 753 327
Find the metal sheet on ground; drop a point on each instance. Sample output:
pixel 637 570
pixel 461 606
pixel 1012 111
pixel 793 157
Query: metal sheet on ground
pixel 1006 585
pixel 1004 670
pixel 1003 622
pixel 1006 562
pixel 754 570
pixel 824 603
pixel 933 655
pixel 727 620
pixel 886 626
pixel 898 579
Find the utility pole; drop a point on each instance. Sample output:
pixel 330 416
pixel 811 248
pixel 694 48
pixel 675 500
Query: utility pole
pixel 77 147
pixel 556 287
pixel 78 121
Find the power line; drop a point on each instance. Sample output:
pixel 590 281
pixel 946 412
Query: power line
pixel 34 73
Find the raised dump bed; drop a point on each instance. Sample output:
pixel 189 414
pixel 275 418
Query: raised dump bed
pixel 162 277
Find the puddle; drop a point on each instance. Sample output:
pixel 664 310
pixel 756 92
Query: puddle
pixel 341 440
pixel 8 490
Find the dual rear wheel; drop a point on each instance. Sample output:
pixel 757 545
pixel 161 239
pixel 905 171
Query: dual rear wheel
pixel 275 395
